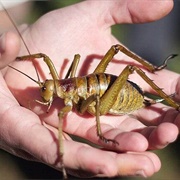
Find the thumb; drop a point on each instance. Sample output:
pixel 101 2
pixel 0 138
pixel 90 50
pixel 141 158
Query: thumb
pixel 9 48
pixel 108 13
pixel 147 11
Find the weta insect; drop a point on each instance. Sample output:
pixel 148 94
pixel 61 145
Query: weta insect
pixel 97 93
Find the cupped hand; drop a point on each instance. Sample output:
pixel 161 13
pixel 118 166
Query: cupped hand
pixel 83 28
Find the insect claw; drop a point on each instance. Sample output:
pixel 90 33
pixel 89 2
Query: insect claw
pixel 114 142
pixel 165 62
pixel 172 56
pixel 105 140
pixel 172 95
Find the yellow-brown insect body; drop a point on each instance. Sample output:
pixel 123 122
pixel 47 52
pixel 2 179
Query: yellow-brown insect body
pixel 129 99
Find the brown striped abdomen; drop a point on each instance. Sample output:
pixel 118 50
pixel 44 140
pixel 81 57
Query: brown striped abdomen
pixel 130 98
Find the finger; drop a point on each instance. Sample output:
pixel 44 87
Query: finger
pixel 9 48
pixel 25 131
pixel 109 164
pixel 160 136
pixel 148 11
pixel 127 141
pixel 135 11
pixel 157 114
pixel 18 152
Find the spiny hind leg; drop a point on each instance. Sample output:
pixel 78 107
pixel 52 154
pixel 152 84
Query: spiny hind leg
pixel 116 48
pixel 159 91
pixel 108 99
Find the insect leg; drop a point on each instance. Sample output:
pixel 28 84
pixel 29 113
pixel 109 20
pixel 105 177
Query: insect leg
pixel 106 59
pixel 98 124
pixel 46 59
pixel 61 115
pixel 109 98
pixel 116 48
pixel 72 70
pixel 84 106
pixel 113 51
pixel 137 58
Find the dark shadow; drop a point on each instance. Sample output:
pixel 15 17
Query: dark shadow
pixel 63 67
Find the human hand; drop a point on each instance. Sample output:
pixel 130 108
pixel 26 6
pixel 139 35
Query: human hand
pixel 85 29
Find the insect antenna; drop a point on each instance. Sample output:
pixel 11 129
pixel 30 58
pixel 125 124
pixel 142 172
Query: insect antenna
pixel 38 82
pixel 17 30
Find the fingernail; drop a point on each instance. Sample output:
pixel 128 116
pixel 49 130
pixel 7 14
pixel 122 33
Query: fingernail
pixel 141 173
pixel 2 43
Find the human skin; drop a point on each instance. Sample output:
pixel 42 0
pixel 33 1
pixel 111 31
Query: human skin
pixel 84 28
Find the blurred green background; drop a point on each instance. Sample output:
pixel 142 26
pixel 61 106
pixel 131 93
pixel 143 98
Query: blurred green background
pixel 152 41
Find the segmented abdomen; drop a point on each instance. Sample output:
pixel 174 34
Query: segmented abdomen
pixel 130 97
pixel 93 84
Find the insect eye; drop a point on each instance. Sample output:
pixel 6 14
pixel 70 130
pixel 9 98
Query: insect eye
pixel 43 88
